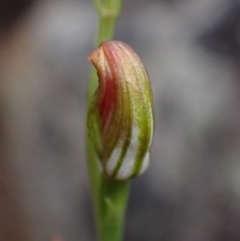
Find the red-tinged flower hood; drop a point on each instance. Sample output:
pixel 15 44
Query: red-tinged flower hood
pixel 123 108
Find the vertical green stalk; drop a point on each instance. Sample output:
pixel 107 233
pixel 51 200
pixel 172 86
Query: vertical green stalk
pixel 109 197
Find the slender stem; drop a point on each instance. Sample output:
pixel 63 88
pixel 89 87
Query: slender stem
pixel 113 202
pixel 108 14
pixel 109 197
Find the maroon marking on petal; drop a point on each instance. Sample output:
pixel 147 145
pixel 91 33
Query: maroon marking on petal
pixel 108 101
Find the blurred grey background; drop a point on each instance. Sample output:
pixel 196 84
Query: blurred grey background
pixel 191 48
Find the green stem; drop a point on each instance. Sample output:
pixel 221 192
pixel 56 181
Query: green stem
pixel 109 197
pixel 112 201
pixel 108 13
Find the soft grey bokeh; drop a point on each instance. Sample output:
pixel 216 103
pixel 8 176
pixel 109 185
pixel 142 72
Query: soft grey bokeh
pixel 191 191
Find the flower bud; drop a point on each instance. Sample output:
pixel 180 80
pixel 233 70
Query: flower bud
pixel 121 111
